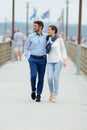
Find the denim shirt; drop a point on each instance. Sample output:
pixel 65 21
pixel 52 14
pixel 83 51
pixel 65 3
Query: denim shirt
pixel 35 44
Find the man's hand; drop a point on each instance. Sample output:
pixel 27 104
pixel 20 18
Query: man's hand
pixel 60 36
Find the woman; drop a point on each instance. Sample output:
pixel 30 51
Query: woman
pixel 56 57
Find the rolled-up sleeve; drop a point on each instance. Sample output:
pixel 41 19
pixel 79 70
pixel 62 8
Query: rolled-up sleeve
pixel 63 49
pixel 26 47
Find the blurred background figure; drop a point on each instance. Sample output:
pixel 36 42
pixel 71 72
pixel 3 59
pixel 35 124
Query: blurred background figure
pixel 6 38
pixel 18 43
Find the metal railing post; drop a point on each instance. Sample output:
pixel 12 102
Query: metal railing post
pixel 78 59
pixel 12 51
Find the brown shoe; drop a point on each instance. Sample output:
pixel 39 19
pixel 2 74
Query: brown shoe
pixel 51 97
pixel 54 99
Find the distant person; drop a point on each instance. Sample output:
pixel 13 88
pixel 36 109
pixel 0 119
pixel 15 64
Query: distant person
pixel 56 58
pixel 6 38
pixel 36 43
pixel 18 43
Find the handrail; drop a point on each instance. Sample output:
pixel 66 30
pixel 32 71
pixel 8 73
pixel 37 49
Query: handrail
pixel 5 52
pixel 72 53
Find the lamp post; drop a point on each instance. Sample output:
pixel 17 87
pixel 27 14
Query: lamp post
pixel 67 9
pixel 62 21
pixel 27 17
pixel 5 25
pixel 13 11
pixel 60 28
pixel 79 39
pixel 80 20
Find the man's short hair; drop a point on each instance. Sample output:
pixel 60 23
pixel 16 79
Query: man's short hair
pixel 40 23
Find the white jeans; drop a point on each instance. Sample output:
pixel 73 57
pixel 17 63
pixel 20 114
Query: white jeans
pixel 53 72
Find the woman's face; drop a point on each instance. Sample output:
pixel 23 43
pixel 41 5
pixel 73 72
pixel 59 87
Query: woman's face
pixel 51 32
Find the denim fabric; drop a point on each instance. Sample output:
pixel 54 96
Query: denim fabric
pixel 35 44
pixel 37 66
pixel 53 71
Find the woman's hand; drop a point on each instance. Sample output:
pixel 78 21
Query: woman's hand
pixel 65 63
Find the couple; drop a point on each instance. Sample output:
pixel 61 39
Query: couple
pixel 36 43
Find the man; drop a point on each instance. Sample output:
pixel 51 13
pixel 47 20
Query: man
pixel 36 43
pixel 18 41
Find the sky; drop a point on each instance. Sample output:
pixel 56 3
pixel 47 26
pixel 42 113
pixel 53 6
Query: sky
pixel 55 7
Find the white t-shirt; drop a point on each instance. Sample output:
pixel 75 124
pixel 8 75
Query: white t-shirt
pixel 18 39
pixel 58 51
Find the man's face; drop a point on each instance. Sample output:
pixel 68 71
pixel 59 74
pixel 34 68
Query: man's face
pixel 36 28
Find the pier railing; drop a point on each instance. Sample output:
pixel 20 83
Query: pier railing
pixel 5 52
pixel 72 53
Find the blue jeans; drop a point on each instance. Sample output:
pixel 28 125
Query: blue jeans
pixel 53 72
pixel 37 66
